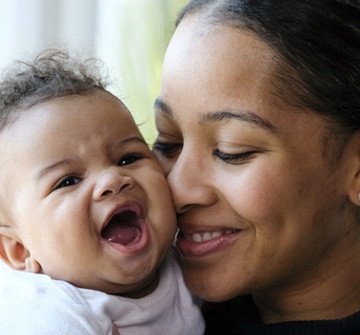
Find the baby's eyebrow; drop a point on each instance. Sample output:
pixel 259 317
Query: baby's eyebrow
pixel 69 161
pixel 136 138
pixel 53 166
pixel 243 116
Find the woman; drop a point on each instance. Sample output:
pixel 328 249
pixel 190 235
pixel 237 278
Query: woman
pixel 258 122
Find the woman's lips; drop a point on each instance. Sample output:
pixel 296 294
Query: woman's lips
pixel 205 242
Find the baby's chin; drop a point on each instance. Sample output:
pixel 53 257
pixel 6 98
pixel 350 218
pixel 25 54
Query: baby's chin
pixel 131 276
pixel 148 286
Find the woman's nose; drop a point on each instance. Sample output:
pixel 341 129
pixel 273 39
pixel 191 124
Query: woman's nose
pixel 111 182
pixel 190 183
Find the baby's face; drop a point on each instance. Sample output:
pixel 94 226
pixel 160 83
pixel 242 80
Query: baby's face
pixel 84 193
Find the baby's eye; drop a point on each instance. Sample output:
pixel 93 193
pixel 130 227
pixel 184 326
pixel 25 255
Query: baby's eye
pixel 166 149
pixel 68 181
pixel 129 159
pixel 234 158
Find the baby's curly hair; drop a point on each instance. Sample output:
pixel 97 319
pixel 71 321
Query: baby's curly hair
pixel 52 74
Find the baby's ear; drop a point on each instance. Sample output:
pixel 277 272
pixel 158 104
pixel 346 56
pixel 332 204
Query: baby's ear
pixel 13 252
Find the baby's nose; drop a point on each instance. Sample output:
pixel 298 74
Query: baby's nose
pixel 111 182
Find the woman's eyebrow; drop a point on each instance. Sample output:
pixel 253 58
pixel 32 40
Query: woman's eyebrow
pixel 161 105
pixel 243 116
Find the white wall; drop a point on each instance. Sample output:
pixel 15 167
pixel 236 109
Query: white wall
pixel 27 26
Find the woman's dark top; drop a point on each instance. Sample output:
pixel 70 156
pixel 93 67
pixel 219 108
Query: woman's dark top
pixel 239 316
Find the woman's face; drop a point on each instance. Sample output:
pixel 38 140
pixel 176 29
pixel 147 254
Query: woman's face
pixel 259 197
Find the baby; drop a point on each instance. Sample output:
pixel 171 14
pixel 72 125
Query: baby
pixel 86 218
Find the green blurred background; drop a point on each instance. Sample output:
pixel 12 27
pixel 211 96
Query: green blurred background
pixel 143 36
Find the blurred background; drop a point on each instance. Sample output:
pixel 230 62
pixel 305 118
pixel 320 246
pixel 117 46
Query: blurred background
pixel 129 36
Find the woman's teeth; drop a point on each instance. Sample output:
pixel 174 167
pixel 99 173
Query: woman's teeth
pixel 202 237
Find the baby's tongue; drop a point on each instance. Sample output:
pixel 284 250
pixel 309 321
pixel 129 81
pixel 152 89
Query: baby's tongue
pixel 120 233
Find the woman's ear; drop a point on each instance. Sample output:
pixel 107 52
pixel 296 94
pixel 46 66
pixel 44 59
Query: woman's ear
pixel 354 195
pixel 14 253
pixel 354 186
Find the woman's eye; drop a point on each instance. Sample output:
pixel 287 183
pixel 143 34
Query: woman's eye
pixel 67 181
pixel 129 159
pixel 234 158
pixel 166 149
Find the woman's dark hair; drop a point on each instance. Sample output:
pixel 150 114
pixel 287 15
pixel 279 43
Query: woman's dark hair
pixel 52 74
pixel 318 47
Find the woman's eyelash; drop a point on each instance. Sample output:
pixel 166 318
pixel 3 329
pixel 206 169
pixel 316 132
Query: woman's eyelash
pixel 166 149
pixel 240 157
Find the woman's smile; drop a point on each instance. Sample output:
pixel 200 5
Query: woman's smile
pixel 205 242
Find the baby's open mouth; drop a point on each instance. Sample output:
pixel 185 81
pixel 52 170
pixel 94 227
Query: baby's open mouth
pixel 123 228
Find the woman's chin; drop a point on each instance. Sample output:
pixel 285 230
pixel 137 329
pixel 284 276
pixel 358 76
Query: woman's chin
pixel 207 285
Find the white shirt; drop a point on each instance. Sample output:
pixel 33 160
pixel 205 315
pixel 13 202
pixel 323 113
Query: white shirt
pixel 35 304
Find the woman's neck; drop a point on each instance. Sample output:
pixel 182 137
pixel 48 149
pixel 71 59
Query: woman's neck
pixel 332 293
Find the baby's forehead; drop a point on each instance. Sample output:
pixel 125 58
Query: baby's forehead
pixel 96 112
pixel 96 116
pixel 14 112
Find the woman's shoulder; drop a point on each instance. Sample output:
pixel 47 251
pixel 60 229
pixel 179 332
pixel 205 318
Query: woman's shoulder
pixel 225 317
pixel 240 316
